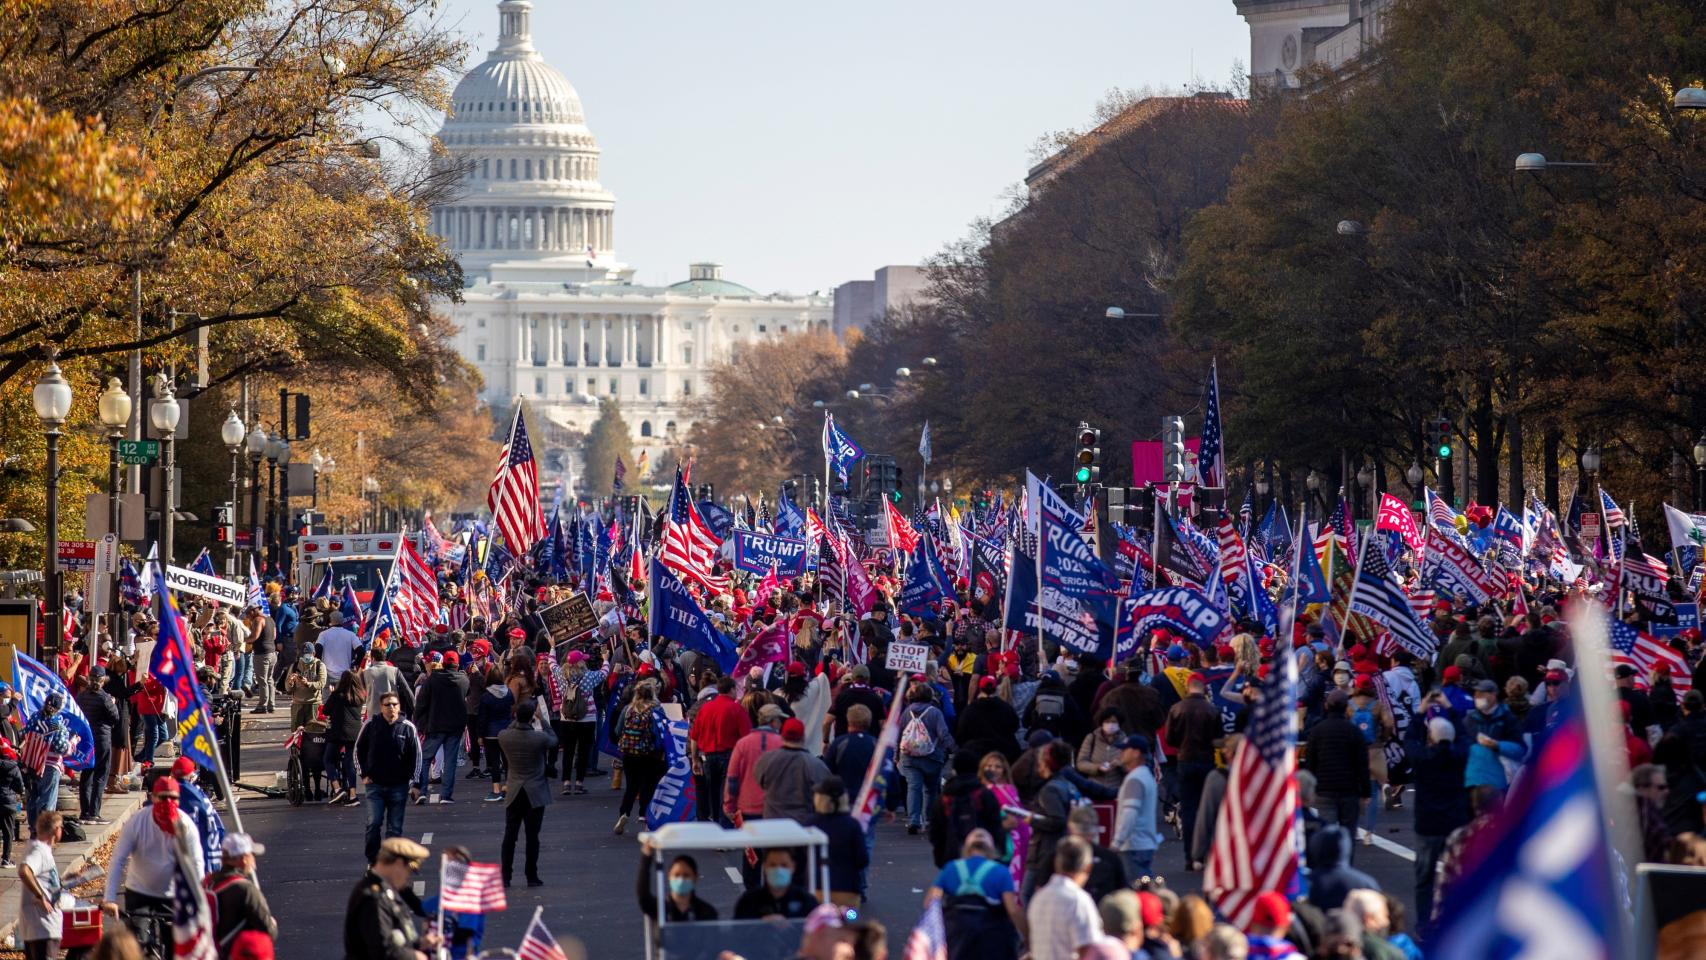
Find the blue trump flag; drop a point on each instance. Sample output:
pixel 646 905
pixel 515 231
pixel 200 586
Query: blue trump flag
pixel 323 589
pixel 1019 606
pixel 838 448
pixel 173 665
pixel 790 520
pixel 1079 596
pixel 35 683
pixel 676 616
pixel 758 552
pixel 350 608
pixel 1180 609
pixel 925 581
pixel 675 798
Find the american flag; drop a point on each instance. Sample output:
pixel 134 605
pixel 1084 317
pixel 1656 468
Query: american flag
pixel 1613 513
pixel 514 495
pixel 1451 566
pixel 1440 512
pixel 1256 833
pixel 415 604
pixel 689 546
pixel 1642 652
pixel 192 920
pixel 538 944
pixel 929 940
pixel 204 563
pixel 1422 601
pixel 468 887
pixel 1378 596
pixel 1211 460
pixel 1232 552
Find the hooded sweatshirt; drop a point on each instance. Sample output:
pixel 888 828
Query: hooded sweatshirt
pixel 1331 875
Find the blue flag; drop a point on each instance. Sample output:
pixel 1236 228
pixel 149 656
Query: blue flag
pixel 758 552
pixel 1541 883
pixel 838 448
pixel 790 520
pixel 674 799
pixel 1019 607
pixel 204 563
pixel 350 608
pixel 676 616
pixel 1079 599
pixel 925 581
pixel 34 683
pixel 1311 583
pixel 1180 609
pixel 1262 606
pixel 173 665
pixel 323 589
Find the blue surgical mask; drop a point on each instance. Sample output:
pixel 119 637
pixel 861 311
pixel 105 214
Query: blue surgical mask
pixel 779 876
pixel 681 886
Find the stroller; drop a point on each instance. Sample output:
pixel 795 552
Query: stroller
pixel 305 769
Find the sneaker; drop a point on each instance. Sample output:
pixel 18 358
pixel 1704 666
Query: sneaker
pixel 493 797
pixel 353 801
pixel 97 821
pixel 568 790
pixel 1367 839
pixel 446 800
pixel 912 829
pixel 420 799
pixel 580 788
pixel 475 774
pixel 8 864
pixel 621 825
pixel 335 798
pixel 536 882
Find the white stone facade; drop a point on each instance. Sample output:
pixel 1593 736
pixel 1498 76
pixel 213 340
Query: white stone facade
pixel 1289 35
pixel 549 313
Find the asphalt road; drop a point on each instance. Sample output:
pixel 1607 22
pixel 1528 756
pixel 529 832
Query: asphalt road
pixel 314 857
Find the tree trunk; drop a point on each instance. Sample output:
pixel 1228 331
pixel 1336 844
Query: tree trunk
pixel 1549 446
pixel 1487 446
pixel 1513 436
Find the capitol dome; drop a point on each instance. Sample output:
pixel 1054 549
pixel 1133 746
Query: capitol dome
pixel 531 197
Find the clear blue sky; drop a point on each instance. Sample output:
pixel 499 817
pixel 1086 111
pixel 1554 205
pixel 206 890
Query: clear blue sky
pixel 803 143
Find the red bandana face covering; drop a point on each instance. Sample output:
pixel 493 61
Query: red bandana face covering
pixel 165 813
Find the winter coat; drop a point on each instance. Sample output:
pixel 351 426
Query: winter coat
pixel 1338 756
pixel 442 705
pixel 343 718
pixel 989 723
pixel 965 805
pixel 1485 767
pixel 1441 804
pixel 1192 727
pixel 497 706
pixel 1331 875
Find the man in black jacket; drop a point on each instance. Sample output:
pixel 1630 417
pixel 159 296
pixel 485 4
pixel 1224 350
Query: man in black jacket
pixel 1054 804
pixel 383 921
pixel 387 753
pixel 101 710
pixel 1193 724
pixel 1442 805
pixel 966 805
pixel 442 710
pixel 987 723
pixel 1338 756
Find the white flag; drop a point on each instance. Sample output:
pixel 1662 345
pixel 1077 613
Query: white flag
pixel 1686 529
pixel 924 444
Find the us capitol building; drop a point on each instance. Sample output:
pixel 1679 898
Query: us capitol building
pixel 549 313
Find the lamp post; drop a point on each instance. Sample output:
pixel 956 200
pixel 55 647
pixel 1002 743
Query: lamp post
pixel 163 413
pixel 329 468
pixel 1700 471
pixel 317 461
pixel 256 444
pixel 114 410
pixel 272 500
pixel 281 555
pixel 52 401
pixel 1313 482
pixel 370 490
pixel 231 433
pixel 1414 476
pixel 1590 463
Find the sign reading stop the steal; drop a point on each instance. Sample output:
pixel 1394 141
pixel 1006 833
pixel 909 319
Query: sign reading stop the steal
pixel 908 657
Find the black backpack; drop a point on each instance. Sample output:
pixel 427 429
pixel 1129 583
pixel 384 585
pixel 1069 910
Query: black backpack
pixel 959 819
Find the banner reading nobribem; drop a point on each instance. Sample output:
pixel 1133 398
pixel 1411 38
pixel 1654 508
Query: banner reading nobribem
pixel 756 552
pixel 183 580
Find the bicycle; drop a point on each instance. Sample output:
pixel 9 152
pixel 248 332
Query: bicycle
pixel 152 927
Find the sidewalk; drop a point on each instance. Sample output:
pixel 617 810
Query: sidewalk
pixel 70 856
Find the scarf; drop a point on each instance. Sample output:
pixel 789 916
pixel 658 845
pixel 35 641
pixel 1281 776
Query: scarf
pixel 165 814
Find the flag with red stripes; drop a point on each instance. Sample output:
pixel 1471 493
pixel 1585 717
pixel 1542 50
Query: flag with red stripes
pixel 538 944
pixel 1642 652
pixel 1257 832
pixel 415 607
pixel 902 536
pixel 468 887
pixel 689 546
pixel 514 494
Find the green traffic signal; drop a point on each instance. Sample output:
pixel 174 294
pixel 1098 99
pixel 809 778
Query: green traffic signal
pixel 895 496
pixel 1083 474
pixel 1445 449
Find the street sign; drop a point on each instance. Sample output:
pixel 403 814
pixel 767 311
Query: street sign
pixel 1590 526
pixel 76 556
pixel 908 657
pixel 138 452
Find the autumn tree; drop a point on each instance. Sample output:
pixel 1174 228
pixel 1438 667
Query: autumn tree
pixel 757 424
pixel 607 439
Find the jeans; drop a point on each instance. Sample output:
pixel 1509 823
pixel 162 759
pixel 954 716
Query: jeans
pixel 243 674
pixel 641 773
pixel 1191 778
pixel 153 731
pixel 578 745
pixel 385 804
pixel 923 787
pixel 521 811
pixel 44 795
pixel 716 767
pixel 340 763
pixel 870 856
pixel 1138 863
pixel 263 667
pixel 452 745
pixel 1429 850
pixel 8 831
pixel 92 785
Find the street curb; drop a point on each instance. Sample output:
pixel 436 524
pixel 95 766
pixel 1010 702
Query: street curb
pixel 10 927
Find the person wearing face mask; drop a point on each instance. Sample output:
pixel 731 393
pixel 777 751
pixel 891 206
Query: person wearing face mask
pixel 1099 755
pixel 1495 740
pixel 144 861
pixel 776 896
pixel 681 881
pixel 306 683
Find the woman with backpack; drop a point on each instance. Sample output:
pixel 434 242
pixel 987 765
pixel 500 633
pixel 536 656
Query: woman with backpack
pixel 643 760
pixel 1375 722
pixel 576 731
pixel 925 743
pixel 967 804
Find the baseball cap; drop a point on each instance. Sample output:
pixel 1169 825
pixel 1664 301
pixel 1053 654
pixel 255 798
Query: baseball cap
pixel 1135 742
pixel 796 669
pixel 240 845
pixel 575 656
pixel 1199 677
pixel 517 632
pixel 1451 674
pixel 987 684
pixel 1486 686
pixel 451 659
pixel 252 945
pixel 1150 908
pixel 1271 910
pixel 793 729
pixel 1176 652
pixel 183 767
pixel 167 786
pixel 1556 676
pixel 1624 670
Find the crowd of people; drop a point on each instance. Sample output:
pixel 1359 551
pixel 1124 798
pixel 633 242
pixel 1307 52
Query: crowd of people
pixel 1045 781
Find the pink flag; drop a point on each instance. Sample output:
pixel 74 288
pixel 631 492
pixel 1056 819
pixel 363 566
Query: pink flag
pixel 1395 516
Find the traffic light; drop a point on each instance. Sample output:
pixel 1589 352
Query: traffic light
pixel 1437 434
pixel 222 523
pixel 895 493
pixel 1087 461
pixel 1173 448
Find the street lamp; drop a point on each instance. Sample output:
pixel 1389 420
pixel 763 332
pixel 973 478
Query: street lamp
pixel 370 490
pixel 1414 475
pixel 328 470
pixel 52 400
pixel 1313 482
pixel 1700 471
pixel 1119 313
pixel 1690 98
pixel 273 449
pixel 113 407
pixel 231 433
pixel 164 413
pixel 1590 463
pixel 1351 228
pixel 256 444
pixel 318 462
pixel 1537 163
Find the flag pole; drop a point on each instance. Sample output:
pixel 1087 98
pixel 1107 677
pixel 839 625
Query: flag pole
pixel 443 856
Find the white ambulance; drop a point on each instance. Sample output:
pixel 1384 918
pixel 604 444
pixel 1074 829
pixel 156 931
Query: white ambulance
pixel 362 560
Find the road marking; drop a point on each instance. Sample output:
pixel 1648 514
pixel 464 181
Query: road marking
pixel 1396 849
pixel 734 875
pixel 426 839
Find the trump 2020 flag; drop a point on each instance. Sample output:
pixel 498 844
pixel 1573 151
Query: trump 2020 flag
pixel 173 665
pixel 34 683
pixel 674 799
pixel 675 615
pixel 838 448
